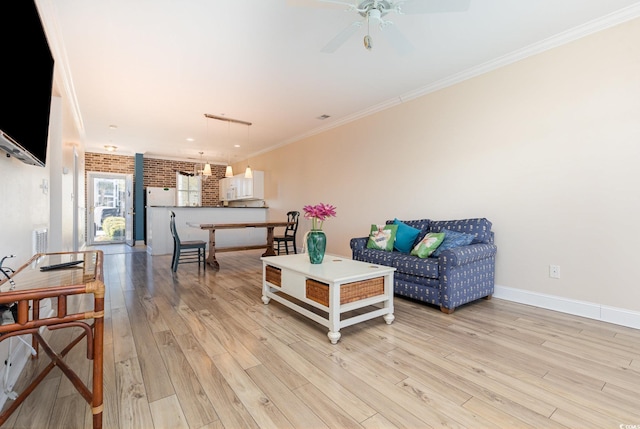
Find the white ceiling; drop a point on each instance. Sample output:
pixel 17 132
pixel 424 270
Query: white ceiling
pixel 153 68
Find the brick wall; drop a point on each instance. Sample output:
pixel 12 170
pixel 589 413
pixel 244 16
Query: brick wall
pixel 162 173
pixel 105 163
pixel 156 172
pixel 98 162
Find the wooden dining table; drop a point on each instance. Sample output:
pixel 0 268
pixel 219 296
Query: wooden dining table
pixel 212 227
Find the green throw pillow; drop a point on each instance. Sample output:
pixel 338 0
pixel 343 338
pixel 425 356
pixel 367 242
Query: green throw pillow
pixel 428 244
pixel 382 237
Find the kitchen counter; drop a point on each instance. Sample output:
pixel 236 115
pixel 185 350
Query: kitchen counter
pixel 160 242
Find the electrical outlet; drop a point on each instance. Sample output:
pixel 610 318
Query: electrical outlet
pixel 554 271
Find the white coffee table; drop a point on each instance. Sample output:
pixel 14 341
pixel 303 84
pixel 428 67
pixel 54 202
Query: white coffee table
pixel 336 286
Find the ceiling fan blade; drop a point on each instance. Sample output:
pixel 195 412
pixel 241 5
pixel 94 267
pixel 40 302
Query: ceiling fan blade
pixel 397 39
pixel 341 37
pixel 349 4
pixel 432 6
pixel 323 4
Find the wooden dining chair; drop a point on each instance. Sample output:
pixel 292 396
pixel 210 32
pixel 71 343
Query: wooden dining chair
pixel 185 251
pixel 289 236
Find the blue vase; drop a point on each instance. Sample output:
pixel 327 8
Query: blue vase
pixel 316 245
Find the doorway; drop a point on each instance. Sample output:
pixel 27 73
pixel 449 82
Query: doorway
pixel 110 208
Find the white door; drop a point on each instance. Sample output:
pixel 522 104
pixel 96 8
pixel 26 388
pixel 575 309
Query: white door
pixel 128 214
pixel 109 199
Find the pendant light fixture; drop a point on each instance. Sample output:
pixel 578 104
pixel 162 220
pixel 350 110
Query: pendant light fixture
pixel 229 171
pixel 110 147
pixel 203 169
pixel 248 174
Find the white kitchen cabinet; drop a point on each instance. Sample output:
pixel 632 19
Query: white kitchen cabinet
pixel 223 186
pixel 240 188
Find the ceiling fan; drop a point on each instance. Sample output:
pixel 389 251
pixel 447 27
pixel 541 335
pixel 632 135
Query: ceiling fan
pixel 374 11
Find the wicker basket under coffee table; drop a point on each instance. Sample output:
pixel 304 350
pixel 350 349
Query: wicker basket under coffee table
pixel 335 286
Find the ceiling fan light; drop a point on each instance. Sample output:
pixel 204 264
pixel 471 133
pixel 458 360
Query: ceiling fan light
pixel 229 171
pixel 375 14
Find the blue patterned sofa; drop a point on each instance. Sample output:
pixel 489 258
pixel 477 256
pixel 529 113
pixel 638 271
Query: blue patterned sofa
pixel 458 276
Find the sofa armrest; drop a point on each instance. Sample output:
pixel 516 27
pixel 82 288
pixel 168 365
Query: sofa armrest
pixel 358 243
pixel 467 254
pixel 466 274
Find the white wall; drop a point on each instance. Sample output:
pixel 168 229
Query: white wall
pixel 60 161
pixel 28 205
pixel 546 148
pixel 25 207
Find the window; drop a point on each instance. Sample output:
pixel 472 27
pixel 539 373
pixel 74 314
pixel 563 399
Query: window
pixel 189 190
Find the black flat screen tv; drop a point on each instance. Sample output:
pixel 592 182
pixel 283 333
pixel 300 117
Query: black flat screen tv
pixel 26 82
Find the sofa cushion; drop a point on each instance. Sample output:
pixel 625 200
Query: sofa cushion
pixel 428 244
pixel 416 280
pixel 413 266
pixel 382 237
pixel 405 237
pixel 373 256
pixel 480 228
pixel 453 239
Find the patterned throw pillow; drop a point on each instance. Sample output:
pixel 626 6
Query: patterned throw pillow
pixel 453 239
pixel 428 244
pixel 405 236
pixel 382 237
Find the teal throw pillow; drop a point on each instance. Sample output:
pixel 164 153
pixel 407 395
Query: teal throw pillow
pixel 453 239
pixel 428 244
pixel 405 236
pixel 382 237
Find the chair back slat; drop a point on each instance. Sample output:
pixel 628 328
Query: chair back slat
pixel 189 251
pixel 174 232
pixel 291 230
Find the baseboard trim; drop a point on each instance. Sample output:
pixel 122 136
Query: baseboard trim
pixel 618 316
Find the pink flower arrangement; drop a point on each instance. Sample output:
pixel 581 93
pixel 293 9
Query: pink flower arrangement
pixel 318 214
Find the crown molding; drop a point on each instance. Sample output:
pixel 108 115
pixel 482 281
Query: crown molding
pixel 49 19
pixel 615 18
pixel 586 29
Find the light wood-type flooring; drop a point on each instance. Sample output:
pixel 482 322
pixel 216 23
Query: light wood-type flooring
pixel 199 349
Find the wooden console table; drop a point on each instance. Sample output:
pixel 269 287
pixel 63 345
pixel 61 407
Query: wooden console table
pixel 211 258
pixel 32 286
